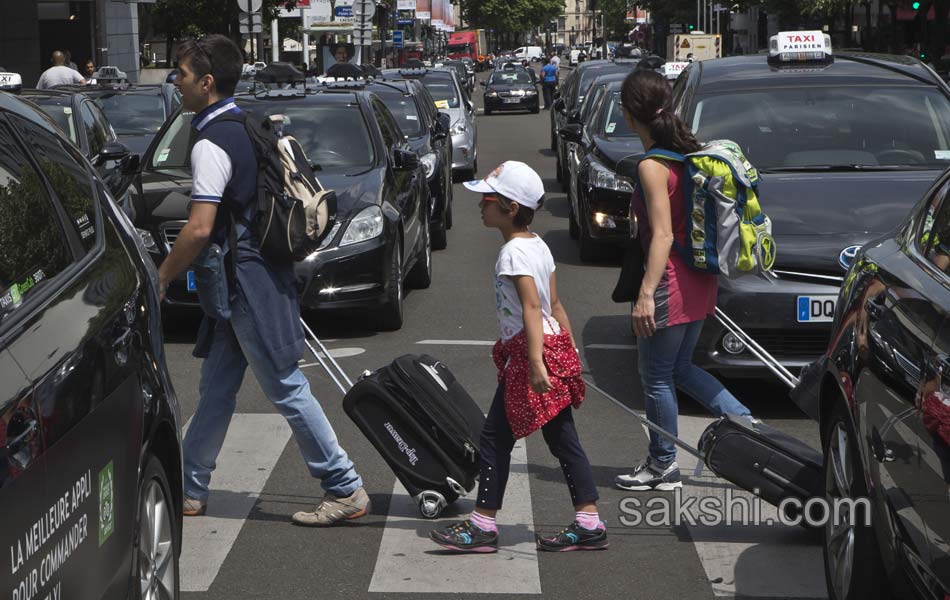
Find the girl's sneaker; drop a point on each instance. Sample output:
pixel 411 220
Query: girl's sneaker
pixel 575 537
pixel 465 537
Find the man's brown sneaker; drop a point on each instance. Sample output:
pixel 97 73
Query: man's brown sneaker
pixel 193 508
pixel 333 510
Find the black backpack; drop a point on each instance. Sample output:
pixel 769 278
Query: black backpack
pixel 293 213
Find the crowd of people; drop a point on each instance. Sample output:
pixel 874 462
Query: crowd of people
pixel 539 368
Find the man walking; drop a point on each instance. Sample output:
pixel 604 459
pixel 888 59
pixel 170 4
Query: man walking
pixel 259 326
pixel 549 74
pixel 58 74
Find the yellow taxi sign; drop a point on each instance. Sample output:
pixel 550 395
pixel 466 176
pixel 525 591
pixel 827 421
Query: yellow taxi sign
pixel 441 103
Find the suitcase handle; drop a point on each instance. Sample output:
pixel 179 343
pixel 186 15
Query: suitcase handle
pixel 336 373
pixel 758 351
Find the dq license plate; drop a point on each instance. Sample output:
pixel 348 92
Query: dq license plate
pixel 190 276
pixel 816 309
pixel 511 100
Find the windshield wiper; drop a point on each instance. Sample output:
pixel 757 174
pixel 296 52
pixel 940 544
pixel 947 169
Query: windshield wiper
pixel 845 168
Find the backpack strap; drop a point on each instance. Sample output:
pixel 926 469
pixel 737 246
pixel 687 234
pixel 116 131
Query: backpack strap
pixel 664 155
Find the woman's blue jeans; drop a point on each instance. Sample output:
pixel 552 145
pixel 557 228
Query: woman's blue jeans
pixel 666 363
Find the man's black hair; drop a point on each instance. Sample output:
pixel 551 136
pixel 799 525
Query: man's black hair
pixel 214 55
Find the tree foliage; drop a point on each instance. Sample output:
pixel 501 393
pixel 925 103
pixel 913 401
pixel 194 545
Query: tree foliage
pixel 510 16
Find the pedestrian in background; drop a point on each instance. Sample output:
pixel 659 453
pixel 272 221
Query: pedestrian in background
pixel 255 323
pixel 59 73
pixel 674 299
pixel 538 372
pixel 549 75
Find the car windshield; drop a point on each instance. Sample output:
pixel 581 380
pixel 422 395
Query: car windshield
pixel 60 110
pixel 332 135
pixel 509 77
pixel 831 127
pixel 443 91
pixel 612 123
pixel 454 48
pixel 133 113
pixel 404 109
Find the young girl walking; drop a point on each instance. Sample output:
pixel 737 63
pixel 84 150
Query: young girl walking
pixel 538 373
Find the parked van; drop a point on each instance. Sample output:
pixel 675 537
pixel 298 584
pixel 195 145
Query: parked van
pixel 529 52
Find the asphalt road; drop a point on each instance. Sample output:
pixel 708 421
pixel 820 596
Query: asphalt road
pixel 247 547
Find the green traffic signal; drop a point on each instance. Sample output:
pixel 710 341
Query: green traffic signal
pixel 692 27
pixel 915 5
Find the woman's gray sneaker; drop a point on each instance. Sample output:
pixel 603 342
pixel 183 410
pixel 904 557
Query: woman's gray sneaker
pixel 648 476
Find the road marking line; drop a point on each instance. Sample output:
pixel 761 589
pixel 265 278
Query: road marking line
pixel 251 449
pixel 411 563
pixel 457 342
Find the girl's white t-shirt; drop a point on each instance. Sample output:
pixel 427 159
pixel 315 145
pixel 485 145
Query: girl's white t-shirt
pixel 523 256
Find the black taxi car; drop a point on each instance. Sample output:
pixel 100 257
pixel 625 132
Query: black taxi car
pixel 90 458
pixel 599 200
pixel 511 88
pixel 135 111
pixel 84 123
pixel 884 412
pixel 845 144
pixel 427 131
pixel 381 237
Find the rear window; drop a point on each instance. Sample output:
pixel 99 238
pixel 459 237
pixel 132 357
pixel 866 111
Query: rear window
pixel 510 77
pixel 61 111
pixel 799 128
pixel 404 109
pixel 443 90
pixel 133 113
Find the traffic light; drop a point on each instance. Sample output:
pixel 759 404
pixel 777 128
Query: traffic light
pixel 915 5
pixel 692 27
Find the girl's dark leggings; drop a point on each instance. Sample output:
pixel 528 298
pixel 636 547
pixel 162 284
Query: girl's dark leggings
pixel 496 444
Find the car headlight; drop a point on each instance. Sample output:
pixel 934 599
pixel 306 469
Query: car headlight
pixel 491 94
pixel 429 162
pixel 458 128
pixel 531 92
pixel 147 240
pixel 364 226
pixel 605 179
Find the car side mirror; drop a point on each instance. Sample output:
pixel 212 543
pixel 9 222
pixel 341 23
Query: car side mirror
pixel 559 105
pixel 627 167
pixel 443 124
pixel 131 164
pixel 571 133
pixel 574 117
pixel 111 151
pixel 406 160
pixel 556 96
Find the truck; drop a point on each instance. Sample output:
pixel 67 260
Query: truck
pixel 471 44
pixel 703 46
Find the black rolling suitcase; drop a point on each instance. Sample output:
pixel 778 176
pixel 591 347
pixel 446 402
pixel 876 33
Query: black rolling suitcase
pixel 425 426
pixel 754 456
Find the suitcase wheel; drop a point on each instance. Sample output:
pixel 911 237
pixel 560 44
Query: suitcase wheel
pixel 431 504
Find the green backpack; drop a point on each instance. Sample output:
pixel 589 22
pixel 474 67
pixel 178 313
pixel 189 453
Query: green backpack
pixel 727 232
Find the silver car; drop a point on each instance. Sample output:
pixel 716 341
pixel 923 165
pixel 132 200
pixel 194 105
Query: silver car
pixel 451 98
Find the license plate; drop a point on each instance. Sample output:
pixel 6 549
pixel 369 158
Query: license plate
pixel 816 309
pixel 190 277
pixel 512 100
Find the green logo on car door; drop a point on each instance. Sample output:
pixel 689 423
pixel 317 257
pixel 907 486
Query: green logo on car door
pixel 106 503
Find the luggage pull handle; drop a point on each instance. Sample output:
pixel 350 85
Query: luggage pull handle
pixel 329 364
pixel 649 424
pixel 758 351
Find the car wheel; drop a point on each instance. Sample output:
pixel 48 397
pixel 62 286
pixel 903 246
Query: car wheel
pixel 559 173
pixel 536 109
pixel 448 207
pixel 155 555
pixel 420 277
pixel 853 566
pixel 572 228
pixel 390 317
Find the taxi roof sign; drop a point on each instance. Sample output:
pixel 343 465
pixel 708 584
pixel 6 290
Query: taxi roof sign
pixel 800 46
pixel 11 82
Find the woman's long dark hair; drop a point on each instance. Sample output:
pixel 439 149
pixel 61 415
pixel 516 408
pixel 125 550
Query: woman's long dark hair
pixel 648 98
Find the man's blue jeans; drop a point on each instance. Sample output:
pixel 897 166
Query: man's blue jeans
pixel 666 363
pixel 221 376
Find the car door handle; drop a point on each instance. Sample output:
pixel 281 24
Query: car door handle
pixel 16 444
